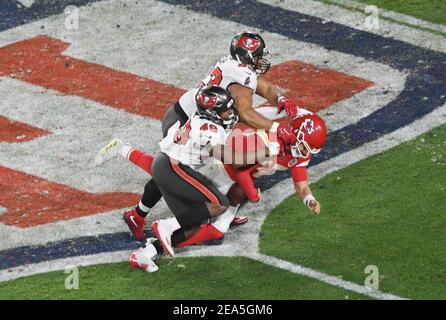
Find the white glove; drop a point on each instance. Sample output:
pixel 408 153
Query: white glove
pixel 274 148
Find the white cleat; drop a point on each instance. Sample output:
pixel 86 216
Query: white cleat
pixel 163 231
pixel 144 258
pixel 108 152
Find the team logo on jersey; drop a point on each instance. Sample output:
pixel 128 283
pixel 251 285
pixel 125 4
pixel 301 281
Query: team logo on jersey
pixel 206 101
pixel 248 43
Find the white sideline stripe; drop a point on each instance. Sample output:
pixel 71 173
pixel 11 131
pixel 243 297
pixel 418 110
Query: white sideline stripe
pixel 62 264
pixel 394 15
pixel 322 277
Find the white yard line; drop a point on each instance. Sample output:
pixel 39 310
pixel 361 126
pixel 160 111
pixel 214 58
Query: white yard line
pixel 323 277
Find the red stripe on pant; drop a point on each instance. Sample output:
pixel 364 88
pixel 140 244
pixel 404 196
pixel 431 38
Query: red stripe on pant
pixel 198 185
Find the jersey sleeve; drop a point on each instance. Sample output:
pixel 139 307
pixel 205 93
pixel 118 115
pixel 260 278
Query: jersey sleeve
pixel 234 72
pixel 299 174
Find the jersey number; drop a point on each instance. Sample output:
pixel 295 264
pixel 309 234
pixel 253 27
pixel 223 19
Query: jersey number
pixel 216 77
pixel 210 126
pixel 182 135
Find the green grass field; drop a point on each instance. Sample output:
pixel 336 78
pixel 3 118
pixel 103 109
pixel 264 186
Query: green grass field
pixel 179 278
pixel 387 211
pixel 428 10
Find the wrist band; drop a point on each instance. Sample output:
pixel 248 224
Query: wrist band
pixel 307 199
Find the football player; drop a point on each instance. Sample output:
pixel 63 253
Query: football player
pixel 241 73
pixel 190 196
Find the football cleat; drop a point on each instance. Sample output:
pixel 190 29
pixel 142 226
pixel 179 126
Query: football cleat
pixel 163 231
pixel 109 151
pixel 239 220
pixel 144 257
pixel 135 223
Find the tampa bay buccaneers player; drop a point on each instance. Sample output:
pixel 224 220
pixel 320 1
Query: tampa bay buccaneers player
pixel 311 133
pixel 241 74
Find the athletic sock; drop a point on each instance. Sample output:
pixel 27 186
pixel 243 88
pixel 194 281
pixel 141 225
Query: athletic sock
pixel 142 210
pixel 158 246
pixel 141 159
pixel 126 150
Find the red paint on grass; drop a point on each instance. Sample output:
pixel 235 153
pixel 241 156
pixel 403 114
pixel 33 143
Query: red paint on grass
pixel 32 201
pixel 13 131
pixel 312 87
pixel 40 61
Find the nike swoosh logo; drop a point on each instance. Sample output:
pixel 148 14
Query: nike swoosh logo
pixel 132 218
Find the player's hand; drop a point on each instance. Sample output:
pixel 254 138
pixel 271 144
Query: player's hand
pixel 315 207
pixel 286 134
pixel 274 148
pixel 289 106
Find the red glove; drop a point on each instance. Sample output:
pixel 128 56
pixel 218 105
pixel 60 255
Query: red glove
pixel 286 134
pixel 289 106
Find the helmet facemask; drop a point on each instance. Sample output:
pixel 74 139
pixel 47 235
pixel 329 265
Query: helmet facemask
pixel 216 107
pixel 262 65
pixel 232 119
pixel 296 151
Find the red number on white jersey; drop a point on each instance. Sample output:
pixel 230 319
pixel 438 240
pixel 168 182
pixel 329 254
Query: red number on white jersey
pixel 216 77
pixel 182 135
pixel 209 126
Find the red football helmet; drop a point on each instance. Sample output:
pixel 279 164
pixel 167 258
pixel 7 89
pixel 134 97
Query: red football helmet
pixel 311 134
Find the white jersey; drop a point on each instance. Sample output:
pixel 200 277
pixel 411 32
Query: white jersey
pixel 187 144
pixel 226 72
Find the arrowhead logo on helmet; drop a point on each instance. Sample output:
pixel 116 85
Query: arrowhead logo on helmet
pixel 311 134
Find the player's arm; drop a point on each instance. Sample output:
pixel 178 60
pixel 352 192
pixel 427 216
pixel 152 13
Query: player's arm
pixel 303 190
pixel 267 90
pixel 271 93
pixel 241 158
pixel 243 102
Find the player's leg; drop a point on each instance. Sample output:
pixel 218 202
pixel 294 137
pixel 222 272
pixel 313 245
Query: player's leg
pixel 135 218
pixel 151 194
pixel 191 197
